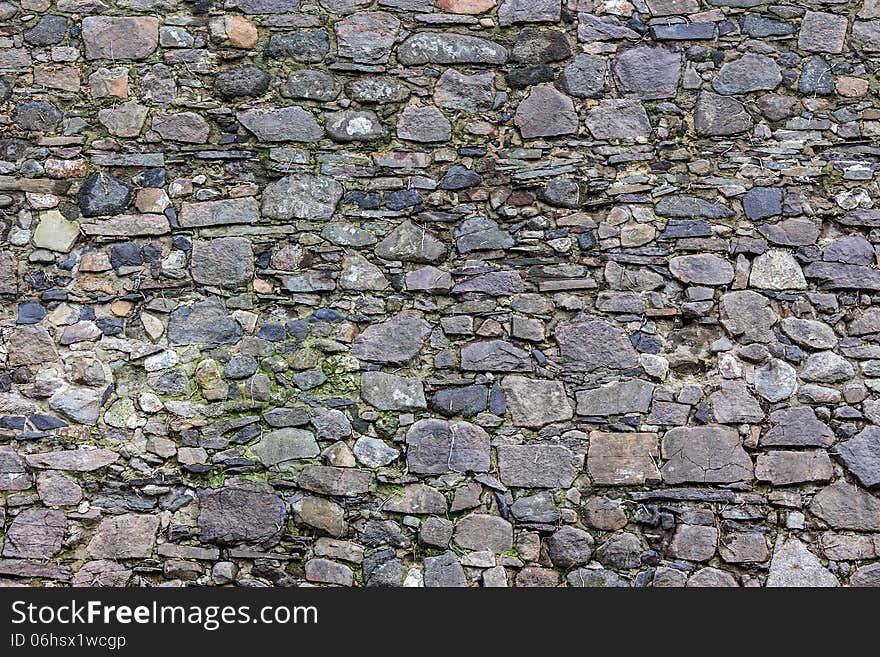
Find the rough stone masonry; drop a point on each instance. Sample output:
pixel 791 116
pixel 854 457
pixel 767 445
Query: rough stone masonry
pixel 439 293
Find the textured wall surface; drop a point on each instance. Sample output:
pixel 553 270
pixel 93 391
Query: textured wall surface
pixel 441 293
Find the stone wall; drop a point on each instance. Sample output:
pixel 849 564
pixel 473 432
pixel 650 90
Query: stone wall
pixel 465 292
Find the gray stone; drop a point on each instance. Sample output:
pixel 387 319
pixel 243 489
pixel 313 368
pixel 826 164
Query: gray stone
pixel 423 124
pixel 438 446
pixel 546 112
pixel 701 269
pixel 534 402
pixel 777 270
pixel 692 206
pixel 103 195
pixel 301 196
pixel 310 84
pixel 776 380
pixel 418 499
pixel 816 77
pixel 242 81
pixel 35 534
pixel 733 404
pixel 240 513
pixel 748 316
pixel 444 571
pixel 620 551
pixel 855 250
pixel 373 452
pixel 793 565
pixel 827 367
pixel 325 571
pixel 282 124
pixel 762 202
pixel 225 262
pixel 822 32
pixel 305 46
pixel 809 333
pixel 535 508
pixel 77 403
pixel 120 37
pixel 536 466
pixel 203 323
pixel 389 392
pixel 471 93
pixel 494 356
pixel 844 506
pixel 710 454
pixel 797 427
pixel 73 460
pixel 584 77
pixel 354 125
pixel 528 11
pixel 720 116
pixel 375 90
pixel 570 547
pixel 480 531
pixel 861 456
pixel 449 48
pixel 397 340
pixel 619 398
pixel 48 31
pixel 694 543
pixel 590 343
pixel 623 459
pixel 367 36
pixel 619 119
pixel 282 446
pixel 748 73
pixel 336 481
pixel 782 468
pixel 411 243
pixel 648 72
pixel 129 536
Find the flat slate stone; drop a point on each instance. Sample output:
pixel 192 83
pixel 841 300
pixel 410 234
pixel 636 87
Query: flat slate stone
pixel 623 459
pixel 536 466
pixel 710 454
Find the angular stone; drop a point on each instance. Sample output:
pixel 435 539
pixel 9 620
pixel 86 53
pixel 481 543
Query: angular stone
pixel 30 345
pixel 866 576
pixel 449 48
pixel 545 112
pixel 791 232
pixel 536 466
pixel 466 401
pixel 240 513
pixel 48 31
pixel 822 32
pixel 203 323
pixel 281 124
pixel 56 489
pixel 13 474
pixel 418 499
pixel 444 571
pixel 748 316
pixel 438 447
pixel 311 85
pixel 648 72
pixel 495 283
pixel 465 6
pixel 301 196
pixel 694 543
pixel 540 46
pixel 397 340
pixel 185 127
pixel 797 427
pixel 782 468
pixel 709 454
pixel 793 565
pixel 861 456
pixel 480 531
pixel 494 356
pixel 733 404
pixel 103 194
pixel 226 262
pixel 423 124
pixel 867 34
pixel 124 120
pixel 411 243
pixel 389 392
pixel 844 506
pixel 374 453
pixel 748 73
pixel 855 250
pixel 358 273
pixel 342 482
pixel 837 276
pixel 35 534
pixel 77 403
pixel 354 125
pixel 590 343
pixel 763 202
pixel 55 233
pixel 38 116
pixel 129 536
pixel 367 36
pixel 720 116
pixel 619 119
pixel 701 269
pixel 809 333
pixel 471 93
pixel 73 460
pixel 777 270
pixel 816 77
pixel 584 77
pixel 618 398
pixel 219 213
pixel 120 37
pixel 623 459
pixel 827 367
pixel 692 206
pixel 534 403
pixel 284 446
pixel 242 81
pixel 528 11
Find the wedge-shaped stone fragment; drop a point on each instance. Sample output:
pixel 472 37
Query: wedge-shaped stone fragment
pixel 844 506
pixel 395 341
pixel 341 482
pixel 129 536
pixel 793 565
pixel 281 124
pixel 797 427
pixel 590 343
pixel 535 402
pixel 494 356
pixel 408 242
pixel 861 456
pixel 618 398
